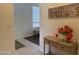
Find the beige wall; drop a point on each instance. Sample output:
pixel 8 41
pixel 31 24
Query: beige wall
pixel 7 36
pixel 49 26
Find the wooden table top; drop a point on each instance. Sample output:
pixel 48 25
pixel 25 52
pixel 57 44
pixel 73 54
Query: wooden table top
pixel 58 40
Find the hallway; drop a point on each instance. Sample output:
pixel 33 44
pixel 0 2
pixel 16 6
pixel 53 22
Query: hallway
pixel 29 49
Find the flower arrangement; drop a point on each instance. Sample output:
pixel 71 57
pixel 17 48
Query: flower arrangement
pixel 66 31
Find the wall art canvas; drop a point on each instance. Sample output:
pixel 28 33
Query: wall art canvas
pixel 71 10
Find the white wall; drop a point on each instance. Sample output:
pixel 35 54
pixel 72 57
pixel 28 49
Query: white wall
pixel 7 34
pixel 23 19
pixel 49 26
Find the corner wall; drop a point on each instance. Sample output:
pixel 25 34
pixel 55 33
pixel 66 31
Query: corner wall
pixel 49 26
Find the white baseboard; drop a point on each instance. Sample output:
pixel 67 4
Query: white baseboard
pixel 42 50
pixel 21 37
pixel 28 35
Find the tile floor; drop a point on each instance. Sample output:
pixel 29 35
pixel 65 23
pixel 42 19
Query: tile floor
pixel 30 49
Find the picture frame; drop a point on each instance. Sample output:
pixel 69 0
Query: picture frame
pixel 71 10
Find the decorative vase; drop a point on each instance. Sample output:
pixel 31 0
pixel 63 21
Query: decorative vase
pixel 62 37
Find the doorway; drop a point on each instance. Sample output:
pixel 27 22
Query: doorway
pixel 35 25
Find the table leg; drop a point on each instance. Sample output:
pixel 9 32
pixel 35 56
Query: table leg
pixel 49 47
pixel 44 46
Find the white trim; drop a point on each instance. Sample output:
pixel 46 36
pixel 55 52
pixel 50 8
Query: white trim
pixel 20 37
pixel 28 35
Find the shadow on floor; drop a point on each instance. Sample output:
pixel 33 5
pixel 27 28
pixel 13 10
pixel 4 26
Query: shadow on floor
pixel 18 45
pixel 34 39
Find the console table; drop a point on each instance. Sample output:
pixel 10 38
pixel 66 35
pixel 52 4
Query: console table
pixel 71 47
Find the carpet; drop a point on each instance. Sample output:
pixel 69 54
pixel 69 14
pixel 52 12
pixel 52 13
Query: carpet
pixel 18 45
pixel 34 39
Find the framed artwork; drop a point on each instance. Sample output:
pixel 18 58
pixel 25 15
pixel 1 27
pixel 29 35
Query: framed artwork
pixel 71 10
